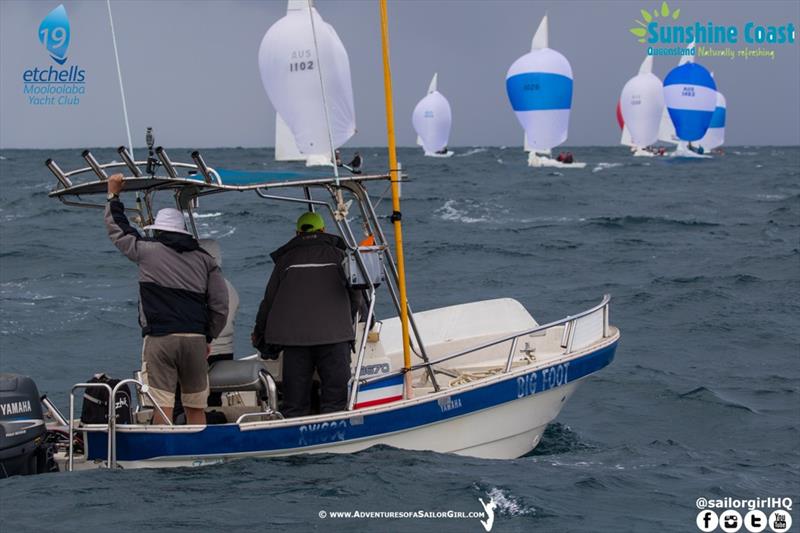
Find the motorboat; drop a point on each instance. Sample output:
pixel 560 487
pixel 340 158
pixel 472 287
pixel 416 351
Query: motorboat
pixel 486 381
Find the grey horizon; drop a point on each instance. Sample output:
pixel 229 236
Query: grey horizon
pixel 178 59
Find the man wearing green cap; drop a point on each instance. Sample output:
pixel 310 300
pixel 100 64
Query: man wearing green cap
pixel 307 312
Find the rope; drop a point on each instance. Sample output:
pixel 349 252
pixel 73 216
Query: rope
pixel 467 377
pixel 119 76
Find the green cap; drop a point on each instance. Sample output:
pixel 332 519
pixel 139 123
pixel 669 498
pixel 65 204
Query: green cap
pixel 309 222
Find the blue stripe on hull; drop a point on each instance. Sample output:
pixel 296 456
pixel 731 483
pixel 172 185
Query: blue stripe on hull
pixel 228 439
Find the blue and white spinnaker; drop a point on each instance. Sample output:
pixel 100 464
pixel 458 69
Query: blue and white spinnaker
pixel 690 95
pixel 715 136
pixel 539 87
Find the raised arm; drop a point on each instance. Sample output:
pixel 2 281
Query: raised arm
pixel 122 234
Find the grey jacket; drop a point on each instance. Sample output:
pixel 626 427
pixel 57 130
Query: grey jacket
pixel 181 288
pixel 307 301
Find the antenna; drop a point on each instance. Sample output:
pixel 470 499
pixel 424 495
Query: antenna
pixel 324 100
pixel 151 158
pixel 119 76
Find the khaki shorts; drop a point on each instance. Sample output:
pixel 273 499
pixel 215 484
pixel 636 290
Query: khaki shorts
pixel 171 359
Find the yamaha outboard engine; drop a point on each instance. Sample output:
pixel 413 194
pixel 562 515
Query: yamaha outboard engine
pixel 23 447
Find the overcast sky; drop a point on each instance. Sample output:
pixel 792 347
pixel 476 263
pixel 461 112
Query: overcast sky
pixel 190 69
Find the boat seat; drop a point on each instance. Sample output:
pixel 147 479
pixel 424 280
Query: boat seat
pixel 236 376
pixel 248 375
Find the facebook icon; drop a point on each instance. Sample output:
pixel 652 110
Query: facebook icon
pixel 707 521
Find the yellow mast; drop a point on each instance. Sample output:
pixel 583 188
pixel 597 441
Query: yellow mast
pixel 395 177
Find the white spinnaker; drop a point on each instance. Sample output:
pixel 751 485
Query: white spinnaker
pixel 432 87
pixel 642 105
pixel 432 118
pixel 289 71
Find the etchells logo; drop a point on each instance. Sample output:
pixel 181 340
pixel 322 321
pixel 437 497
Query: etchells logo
pixel 54 84
pixel 54 34
pixel 666 35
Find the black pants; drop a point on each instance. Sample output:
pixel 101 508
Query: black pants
pixel 332 363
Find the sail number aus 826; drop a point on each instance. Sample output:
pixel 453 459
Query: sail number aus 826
pixel 301 65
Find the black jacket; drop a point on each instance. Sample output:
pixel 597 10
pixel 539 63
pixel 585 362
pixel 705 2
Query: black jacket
pixel 307 301
pixel 181 288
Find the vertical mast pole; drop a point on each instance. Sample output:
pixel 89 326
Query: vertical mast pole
pixel 395 178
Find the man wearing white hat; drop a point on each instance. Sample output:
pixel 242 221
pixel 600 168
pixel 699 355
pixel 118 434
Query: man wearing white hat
pixel 183 304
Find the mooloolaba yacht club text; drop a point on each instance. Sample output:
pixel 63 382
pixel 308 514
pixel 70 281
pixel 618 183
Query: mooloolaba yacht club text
pixel 52 86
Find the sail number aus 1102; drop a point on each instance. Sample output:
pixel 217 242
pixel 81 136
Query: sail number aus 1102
pixel 301 65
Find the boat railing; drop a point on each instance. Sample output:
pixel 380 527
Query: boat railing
pixel 580 331
pixel 111 426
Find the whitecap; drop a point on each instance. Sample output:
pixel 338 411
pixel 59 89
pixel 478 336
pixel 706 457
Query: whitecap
pixel 207 215
pixel 473 152
pixel 449 211
pixel 508 505
pixel 603 165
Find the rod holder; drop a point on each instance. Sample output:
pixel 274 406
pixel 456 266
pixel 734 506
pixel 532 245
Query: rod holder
pixel 201 165
pixel 87 155
pixel 126 156
pixel 58 173
pixel 165 161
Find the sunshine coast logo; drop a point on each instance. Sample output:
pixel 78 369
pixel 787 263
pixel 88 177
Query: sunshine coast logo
pixel 666 35
pixel 54 84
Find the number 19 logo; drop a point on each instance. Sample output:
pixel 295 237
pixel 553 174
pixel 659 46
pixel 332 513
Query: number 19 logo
pixel 54 34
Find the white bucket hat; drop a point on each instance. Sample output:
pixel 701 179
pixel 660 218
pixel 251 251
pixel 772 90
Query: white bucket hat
pixel 169 219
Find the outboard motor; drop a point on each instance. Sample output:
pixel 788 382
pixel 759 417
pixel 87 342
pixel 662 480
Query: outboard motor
pixel 23 447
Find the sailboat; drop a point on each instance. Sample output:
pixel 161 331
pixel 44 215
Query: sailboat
pixel 432 118
pixel 292 76
pixel 703 100
pixel 539 87
pixel 641 104
pixel 690 94
pixel 715 136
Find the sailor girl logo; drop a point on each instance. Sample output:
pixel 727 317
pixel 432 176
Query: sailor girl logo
pixel 54 34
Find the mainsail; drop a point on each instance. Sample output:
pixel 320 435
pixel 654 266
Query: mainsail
pixel 290 72
pixel 432 119
pixel 641 104
pixel 539 87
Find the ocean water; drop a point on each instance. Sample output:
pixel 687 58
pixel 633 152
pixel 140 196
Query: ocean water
pixel 702 259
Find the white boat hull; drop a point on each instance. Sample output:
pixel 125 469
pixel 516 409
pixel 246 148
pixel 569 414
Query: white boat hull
pixel 540 161
pixel 449 153
pixel 480 410
pixel 683 151
pixel 508 431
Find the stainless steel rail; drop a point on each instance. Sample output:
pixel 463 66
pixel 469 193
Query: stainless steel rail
pixel 567 320
pixel 111 426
